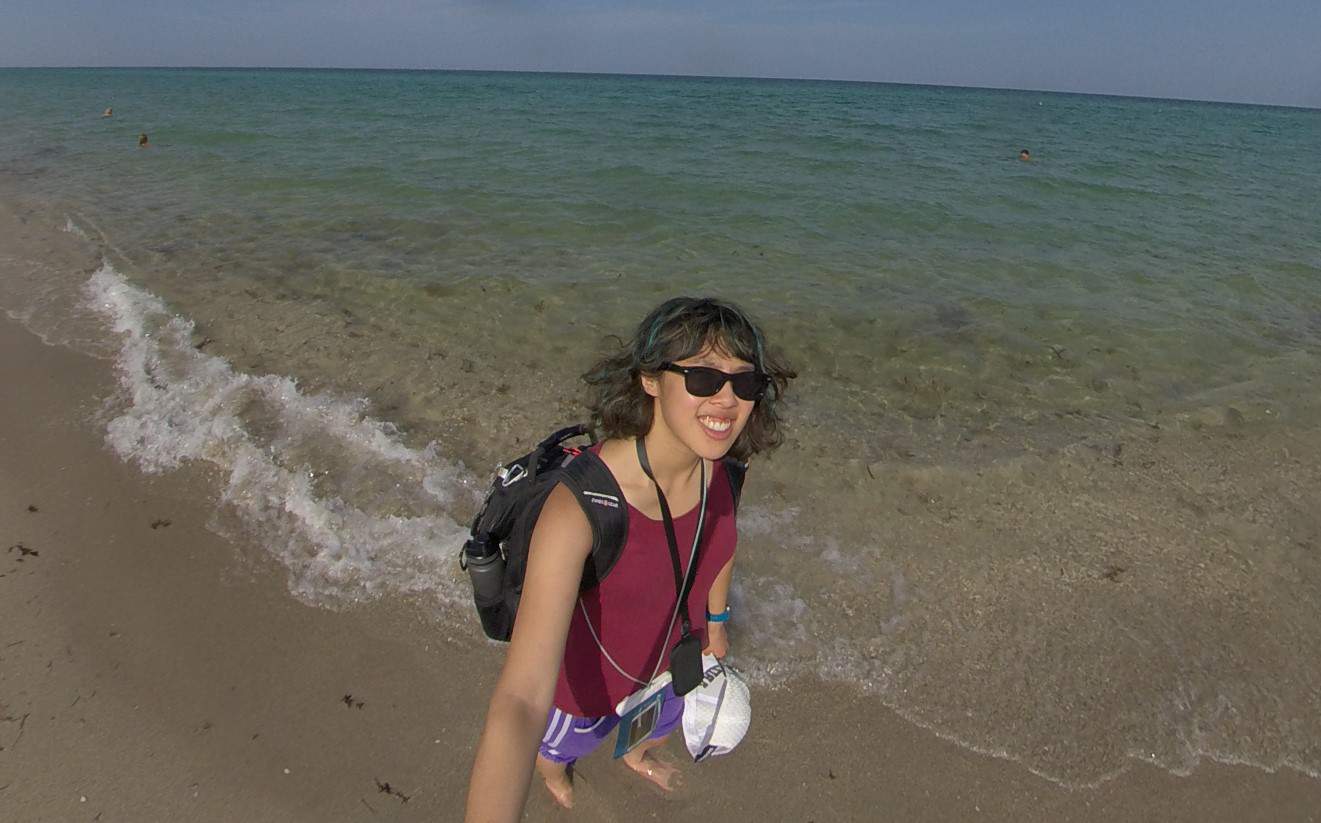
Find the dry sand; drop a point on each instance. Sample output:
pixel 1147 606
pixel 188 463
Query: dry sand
pixel 151 671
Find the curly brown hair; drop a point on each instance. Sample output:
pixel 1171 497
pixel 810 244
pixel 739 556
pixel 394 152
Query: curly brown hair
pixel 677 329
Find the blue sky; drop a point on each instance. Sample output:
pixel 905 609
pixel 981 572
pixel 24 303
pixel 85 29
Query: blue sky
pixel 1265 52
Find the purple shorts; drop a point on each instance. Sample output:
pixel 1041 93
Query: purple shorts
pixel 569 737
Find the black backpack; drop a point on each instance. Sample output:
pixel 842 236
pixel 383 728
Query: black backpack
pixel 495 554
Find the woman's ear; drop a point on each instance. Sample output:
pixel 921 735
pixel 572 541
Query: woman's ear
pixel 651 384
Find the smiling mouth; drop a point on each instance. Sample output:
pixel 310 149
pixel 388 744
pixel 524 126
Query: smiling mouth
pixel 716 424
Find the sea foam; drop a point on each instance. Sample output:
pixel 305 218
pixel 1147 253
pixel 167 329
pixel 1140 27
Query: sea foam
pixel 275 444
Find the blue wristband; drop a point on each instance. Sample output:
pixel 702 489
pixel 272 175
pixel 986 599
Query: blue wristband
pixel 723 617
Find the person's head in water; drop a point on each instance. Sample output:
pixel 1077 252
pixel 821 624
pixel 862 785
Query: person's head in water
pixel 109 112
pixel 142 141
pixel 1024 155
pixel 681 329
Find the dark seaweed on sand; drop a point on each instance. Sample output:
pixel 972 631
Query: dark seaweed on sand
pixel 386 788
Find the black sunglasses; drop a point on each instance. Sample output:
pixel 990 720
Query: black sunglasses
pixel 704 381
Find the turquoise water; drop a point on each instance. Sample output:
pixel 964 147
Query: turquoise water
pixel 1015 377
pixel 1159 223
pixel 1175 241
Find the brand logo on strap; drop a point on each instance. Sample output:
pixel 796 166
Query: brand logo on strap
pixel 599 499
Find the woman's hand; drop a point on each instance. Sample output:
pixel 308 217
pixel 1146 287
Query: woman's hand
pixel 717 640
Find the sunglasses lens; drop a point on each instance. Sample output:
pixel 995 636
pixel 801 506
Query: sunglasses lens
pixel 703 382
pixel 748 385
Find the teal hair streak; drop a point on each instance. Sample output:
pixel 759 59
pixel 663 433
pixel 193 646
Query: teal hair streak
pixel 660 322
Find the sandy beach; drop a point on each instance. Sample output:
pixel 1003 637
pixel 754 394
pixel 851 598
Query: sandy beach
pixel 152 671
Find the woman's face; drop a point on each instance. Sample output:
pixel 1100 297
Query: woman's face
pixel 706 425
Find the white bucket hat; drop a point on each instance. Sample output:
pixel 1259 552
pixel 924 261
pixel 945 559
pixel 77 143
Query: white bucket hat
pixel 716 714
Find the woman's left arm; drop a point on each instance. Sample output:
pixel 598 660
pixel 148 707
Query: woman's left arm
pixel 717 639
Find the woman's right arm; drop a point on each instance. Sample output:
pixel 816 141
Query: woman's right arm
pixel 516 717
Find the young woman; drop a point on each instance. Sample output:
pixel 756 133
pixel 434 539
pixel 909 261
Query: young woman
pixel 696 383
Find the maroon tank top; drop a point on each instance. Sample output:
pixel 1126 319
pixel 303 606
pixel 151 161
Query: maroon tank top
pixel 632 607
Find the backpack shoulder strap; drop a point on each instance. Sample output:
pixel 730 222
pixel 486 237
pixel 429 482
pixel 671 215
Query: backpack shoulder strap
pixel 603 502
pixel 735 471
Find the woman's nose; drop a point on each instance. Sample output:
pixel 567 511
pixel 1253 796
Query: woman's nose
pixel 726 396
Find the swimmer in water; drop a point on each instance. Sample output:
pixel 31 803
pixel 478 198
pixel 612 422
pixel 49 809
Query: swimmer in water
pixel 1025 155
pixel 142 141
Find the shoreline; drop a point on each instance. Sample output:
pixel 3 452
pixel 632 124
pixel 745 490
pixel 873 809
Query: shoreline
pixel 162 672
pixel 1141 591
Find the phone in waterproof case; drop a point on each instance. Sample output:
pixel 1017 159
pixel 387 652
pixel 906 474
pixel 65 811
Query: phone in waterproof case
pixel 639 713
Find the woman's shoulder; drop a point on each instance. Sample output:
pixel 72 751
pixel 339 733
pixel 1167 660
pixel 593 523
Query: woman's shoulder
pixel 618 457
pixel 563 522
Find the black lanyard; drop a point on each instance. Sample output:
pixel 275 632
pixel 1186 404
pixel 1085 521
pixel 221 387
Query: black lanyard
pixel 683 583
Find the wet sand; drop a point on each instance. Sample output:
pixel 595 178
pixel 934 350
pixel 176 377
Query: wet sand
pixel 150 670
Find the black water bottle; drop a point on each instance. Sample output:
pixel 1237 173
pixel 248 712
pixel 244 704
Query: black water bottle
pixel 486 569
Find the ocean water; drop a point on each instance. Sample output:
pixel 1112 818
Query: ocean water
pixel 1050 483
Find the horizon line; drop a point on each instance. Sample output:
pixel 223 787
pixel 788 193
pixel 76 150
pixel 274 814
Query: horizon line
pixel 1299 106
